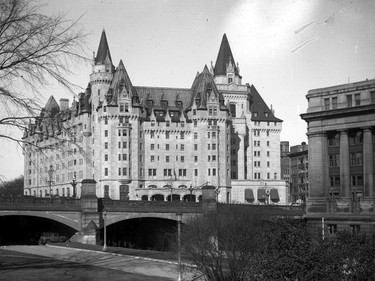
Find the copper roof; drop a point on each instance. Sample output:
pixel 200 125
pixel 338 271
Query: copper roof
pixel 103 50
pixel 258 106
pixel 225 55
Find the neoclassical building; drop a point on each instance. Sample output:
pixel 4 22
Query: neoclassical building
pixel 341 121
pixel 153 143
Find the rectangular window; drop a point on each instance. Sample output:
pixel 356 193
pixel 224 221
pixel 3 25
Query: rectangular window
pixel 195 158
pixel 182 135
pixel 106 133
pixel 167 123
pixel 195 123
pixel 195 172
pixel 167 134
pixel 208 146
pixel 349 100
pixel 106 171
pixel 195 136
pixel 356 159
pixel 167 147
pixel 106 145
pixel 334 160
pixel 119 171
pixel 334 103
pixel 105 157
pixel 194 112
pixel 182 159
pixel 166 158
pixel 152 134
pixel 182 147
pixel 152 158
pixel 326 104
pixel 195 147
pixel 124 157
pixel 357 99
pixel 124 171
pixel 214 146
pixel 152 146
pixel 124 144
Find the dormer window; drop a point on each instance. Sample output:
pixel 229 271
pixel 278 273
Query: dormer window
pixel 266 114
pixel 179 103
pixel 164 103
pixel 168 124
pixel 230 80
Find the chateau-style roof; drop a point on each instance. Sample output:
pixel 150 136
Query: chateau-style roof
pixel 51 108
pixel 203 84
pixel 103 50
pixel 259 109
pixel 224 57
pixel 170 95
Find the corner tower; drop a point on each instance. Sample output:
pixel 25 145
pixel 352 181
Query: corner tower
pixel 102 73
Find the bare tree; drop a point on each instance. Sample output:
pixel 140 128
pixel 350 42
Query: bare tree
pixel 35 51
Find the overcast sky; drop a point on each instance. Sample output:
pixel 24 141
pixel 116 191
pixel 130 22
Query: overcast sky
pixel 284 48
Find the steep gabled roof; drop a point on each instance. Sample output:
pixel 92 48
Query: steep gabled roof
pixel 258 106
pixel 225 55
pixel 202 84
pixel 51 107
pixel 103 50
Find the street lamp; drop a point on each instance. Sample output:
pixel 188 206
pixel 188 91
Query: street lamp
pixel 171 186
pixel 74 184
pixel 50 175
pixel 191 188
pixel 179 219
pixel 105 230
pixel 217 191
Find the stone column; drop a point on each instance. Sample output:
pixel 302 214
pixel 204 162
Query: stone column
pixel 318 165
pixel 241 158
pixel 344 165
pixel 368 163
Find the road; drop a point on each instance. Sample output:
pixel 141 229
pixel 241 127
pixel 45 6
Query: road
pixel 60 263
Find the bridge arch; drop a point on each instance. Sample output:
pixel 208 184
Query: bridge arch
pixel 115 217
pixel 71 219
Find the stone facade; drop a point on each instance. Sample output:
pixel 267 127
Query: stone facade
pixel 299 181
pixel 149 143
pixel 341 122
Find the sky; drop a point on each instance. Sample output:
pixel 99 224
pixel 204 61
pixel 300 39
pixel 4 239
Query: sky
pixel 284 48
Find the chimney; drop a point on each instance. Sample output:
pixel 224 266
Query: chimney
pixel 64 104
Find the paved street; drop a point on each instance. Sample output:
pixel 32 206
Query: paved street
pixel 120 267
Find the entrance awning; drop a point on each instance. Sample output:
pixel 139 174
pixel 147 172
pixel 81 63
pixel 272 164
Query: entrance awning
pixel 274 195
pixel 261 195
pixel 249 195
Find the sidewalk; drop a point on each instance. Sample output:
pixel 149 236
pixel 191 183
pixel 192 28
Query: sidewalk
pixel 146 265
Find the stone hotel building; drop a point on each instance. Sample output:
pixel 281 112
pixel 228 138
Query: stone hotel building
pixel 341 137
pixel 152 143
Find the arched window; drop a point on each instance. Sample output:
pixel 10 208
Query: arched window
pixel 152 186
pixel 182 186
pixel 106 191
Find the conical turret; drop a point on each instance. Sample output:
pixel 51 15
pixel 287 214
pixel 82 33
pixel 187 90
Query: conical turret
pixel 226 71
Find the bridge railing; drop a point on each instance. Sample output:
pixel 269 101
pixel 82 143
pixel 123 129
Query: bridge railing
pixel 39 204
pixel 148 206
pixel 267 210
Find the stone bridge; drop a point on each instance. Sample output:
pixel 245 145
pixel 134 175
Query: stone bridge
pixel 86 215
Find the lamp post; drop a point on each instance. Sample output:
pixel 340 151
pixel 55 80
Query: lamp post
pixel 179 219
pixel 171 186
pixel 266 194
pixel 217 191
pixel 74 184
pixel 105 230
pixel 191 188
pixel 50 175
